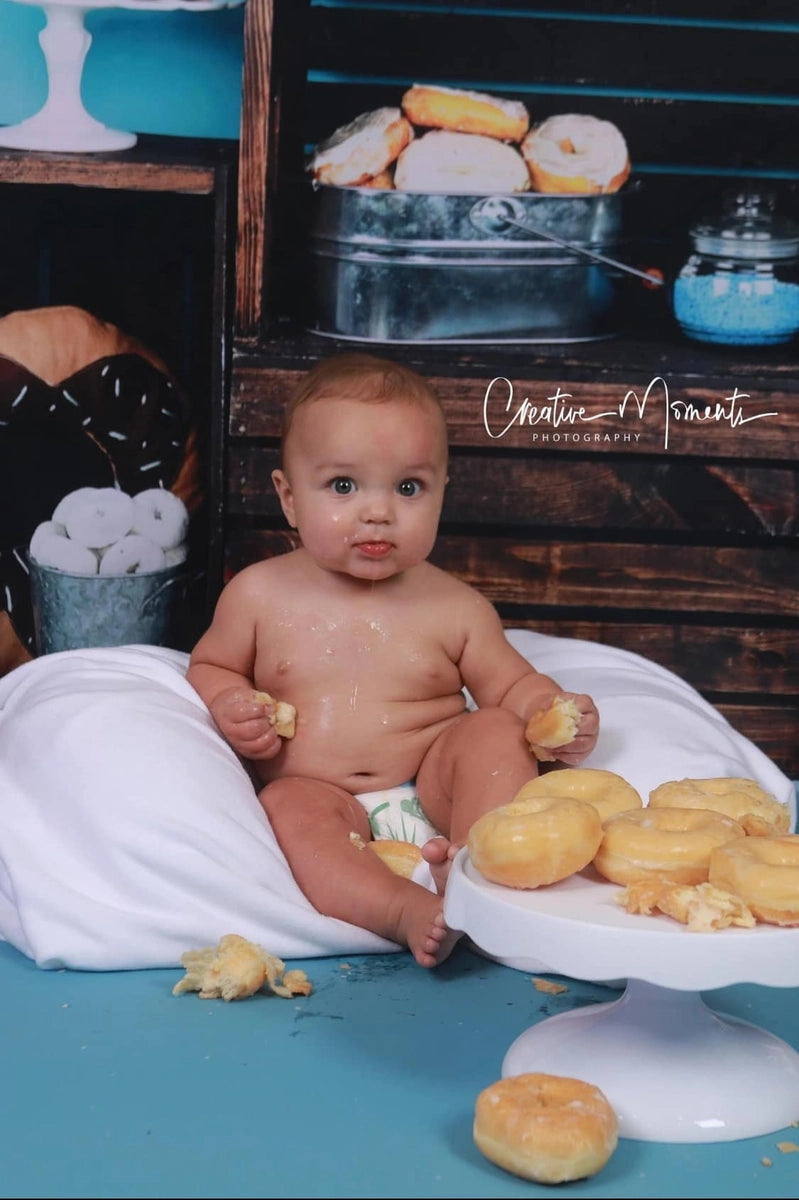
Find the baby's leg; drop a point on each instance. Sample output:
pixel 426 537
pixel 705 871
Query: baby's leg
pixel 476 764
pixel 323 832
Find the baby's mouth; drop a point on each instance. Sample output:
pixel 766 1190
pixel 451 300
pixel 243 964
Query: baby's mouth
pixel 374 549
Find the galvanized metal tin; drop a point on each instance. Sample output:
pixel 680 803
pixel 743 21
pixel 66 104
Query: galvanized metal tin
pixel 392 266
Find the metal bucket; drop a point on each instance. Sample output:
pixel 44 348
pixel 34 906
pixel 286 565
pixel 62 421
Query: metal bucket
pixel 74 611
pixel 393 266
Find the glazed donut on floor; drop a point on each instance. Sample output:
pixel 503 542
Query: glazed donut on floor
pixel 575 153
pixel 673 844
pixel 534 841
pixel 436 107
pixel 161 516
pixel 737 798
pixel 547 1128
pixel 362 149
pixel 467 163
pixel 608 792
pixel 764 873
pixel 132 555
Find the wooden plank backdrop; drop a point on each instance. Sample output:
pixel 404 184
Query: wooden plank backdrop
pixel 669 530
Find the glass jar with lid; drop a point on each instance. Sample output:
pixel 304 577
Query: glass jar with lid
pixel 740 285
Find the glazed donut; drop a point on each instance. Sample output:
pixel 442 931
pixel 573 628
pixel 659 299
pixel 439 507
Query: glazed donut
pixel 608 792
pixel 737 798
pixel 673 844
pixel 548 1128
pixel 552 727
pixel 460 111
pixel 132 555
pixel 360 150
pixel 97 517
pixel 534 841
pixel 764 872
pixel 576 154
pixel 469 163
pixel 401 857
pixel 161 516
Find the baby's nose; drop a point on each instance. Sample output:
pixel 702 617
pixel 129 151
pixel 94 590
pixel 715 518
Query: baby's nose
pixel 376 508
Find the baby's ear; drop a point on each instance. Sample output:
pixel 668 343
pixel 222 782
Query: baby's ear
pixel 284 495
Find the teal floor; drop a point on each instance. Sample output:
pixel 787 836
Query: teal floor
pixel 114 1087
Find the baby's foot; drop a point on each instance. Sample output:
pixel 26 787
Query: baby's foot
pixel 431 941
pixel 438 853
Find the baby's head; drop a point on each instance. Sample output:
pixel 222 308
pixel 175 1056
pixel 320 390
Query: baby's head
pixel 368 380
pixel 364 466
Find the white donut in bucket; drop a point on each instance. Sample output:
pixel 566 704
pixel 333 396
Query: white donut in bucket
pixel 161 516
pixel 99 518
pixel 68 502
pixel 50 549
pixel 132 555
pixel 43 531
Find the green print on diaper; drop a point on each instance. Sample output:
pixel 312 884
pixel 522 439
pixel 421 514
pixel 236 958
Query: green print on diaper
pixel 400 830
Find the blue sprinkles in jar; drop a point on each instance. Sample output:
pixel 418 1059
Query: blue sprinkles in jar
pixel 737 308
pixel 740 285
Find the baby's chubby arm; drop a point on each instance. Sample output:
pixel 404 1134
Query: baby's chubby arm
pixel 497 675
pixel 221 671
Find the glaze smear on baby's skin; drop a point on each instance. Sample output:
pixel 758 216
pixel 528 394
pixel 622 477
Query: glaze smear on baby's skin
pixel 373 645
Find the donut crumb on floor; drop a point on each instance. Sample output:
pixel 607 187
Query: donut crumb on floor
pixel 788 1147
pixel 766 1162
pixel 236 969
pixel 547 985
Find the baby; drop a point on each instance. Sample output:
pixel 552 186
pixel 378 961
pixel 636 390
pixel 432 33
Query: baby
pixel 373 645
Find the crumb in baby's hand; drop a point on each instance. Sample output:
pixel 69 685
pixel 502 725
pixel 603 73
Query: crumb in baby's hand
pixel 284 716
pixel 236 969
pixel 552 727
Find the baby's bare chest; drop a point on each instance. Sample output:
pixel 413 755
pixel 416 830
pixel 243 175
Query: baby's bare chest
pixel 382 654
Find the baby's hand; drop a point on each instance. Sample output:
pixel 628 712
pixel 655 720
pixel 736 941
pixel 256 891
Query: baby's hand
pixel 244 721
pixel 584 739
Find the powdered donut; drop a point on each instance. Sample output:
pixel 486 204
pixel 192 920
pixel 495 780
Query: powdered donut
pixel 132 555
pixel 161 516
pixel 576 154
pixel 608 792
pixel 98 517
pixel 674 844
pixel 441 161
pixel 357 152
pixel 738 798
pixel 534 841
pixel 552 727
pixel 62 554
pixel 764 872
pixel 548 1128
pixel 437 107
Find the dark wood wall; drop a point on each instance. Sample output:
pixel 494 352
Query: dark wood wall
pixel 683 549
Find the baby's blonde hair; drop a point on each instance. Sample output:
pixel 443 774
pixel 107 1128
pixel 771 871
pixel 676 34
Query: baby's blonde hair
pixel 361 377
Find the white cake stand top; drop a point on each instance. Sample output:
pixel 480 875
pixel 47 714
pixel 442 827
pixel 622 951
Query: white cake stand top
pixel 63 123
pixel 577 928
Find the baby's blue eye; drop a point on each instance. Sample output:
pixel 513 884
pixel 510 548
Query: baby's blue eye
pixel 409 487
pixel 342 485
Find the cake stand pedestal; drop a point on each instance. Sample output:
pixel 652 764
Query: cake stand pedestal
pixel 63 123
pixel 673 1069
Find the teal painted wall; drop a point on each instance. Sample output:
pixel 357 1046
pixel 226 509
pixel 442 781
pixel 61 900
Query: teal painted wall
pixel 149 72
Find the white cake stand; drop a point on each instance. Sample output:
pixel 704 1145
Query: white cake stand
pixel 673 1069
pixel 63 123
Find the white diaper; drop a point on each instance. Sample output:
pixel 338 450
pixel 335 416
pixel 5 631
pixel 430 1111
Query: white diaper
pixel 397 814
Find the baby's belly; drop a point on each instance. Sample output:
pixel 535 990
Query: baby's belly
pixel 366 748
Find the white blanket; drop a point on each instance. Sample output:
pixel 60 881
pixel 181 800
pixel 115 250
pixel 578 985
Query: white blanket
pixel 129 831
